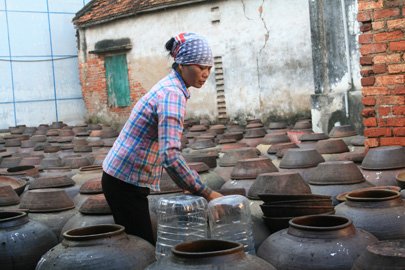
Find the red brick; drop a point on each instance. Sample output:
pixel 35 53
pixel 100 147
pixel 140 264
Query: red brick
pixel 370 4
pixel 393 3
pixel 393 141
pixel 388 36
pixel 379 68
pixel 368 81
pixel 398 90
pixel 366 72
pixel 372 91
pixel 390 80
pixel 385 13
pixel 370 122
pixel 378 25
pixel 365 38
pixel 398 131
pixel 365 27
pixel 373 48
pixel 364 16
pixel 398 110
pixel 396 122
pixel 399 68
pixel 396 24
pixel 384 58
pixel 377 132
pixel 368 112
pixel 391 100
pixel 371 142
pixel 366 60
pixel 397 45
pixel 368 101
pixel 384 111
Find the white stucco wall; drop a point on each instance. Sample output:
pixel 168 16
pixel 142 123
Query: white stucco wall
pixel 265 48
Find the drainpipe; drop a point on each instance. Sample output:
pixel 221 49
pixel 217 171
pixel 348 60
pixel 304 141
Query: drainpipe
pixel 349 69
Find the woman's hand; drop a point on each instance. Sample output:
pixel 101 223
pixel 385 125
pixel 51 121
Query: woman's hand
pixel 213 195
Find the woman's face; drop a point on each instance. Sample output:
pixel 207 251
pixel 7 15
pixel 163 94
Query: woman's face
pixel 194 75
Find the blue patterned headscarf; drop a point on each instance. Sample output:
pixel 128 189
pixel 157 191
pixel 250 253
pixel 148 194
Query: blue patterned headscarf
pixel 191 48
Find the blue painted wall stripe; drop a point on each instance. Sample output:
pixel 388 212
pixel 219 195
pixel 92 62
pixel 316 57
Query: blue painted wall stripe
pixel 39 100
pixel 11 64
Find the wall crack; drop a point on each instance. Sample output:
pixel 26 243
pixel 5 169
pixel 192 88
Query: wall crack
pixel 244 10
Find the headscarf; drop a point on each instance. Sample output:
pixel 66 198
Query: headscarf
pixel 191 48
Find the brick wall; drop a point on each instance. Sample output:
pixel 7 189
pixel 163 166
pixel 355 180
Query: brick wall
pixel 382 46
pixel 94 90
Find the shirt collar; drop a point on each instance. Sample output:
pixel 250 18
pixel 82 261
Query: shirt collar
pixel 183 84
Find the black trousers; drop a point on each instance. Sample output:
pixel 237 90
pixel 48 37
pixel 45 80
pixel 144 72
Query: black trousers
pixel 129 206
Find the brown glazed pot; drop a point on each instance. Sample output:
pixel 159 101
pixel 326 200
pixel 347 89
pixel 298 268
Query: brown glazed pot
pixel 383 255
pixel 380 212
pixel 8 196
pixel 319 242
pixel 24 241
pixel 342 131
pixel 275 139
pixel 98 247
pixel 210 254
pixel 209 158
pixel 331 146
pixel 300 158
pixel 251 168
pixel 273 149
pixel 17 184
pixel 254 133
pixel 384 158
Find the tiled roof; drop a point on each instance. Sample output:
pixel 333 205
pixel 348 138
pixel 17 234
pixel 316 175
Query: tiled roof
pixel 100 11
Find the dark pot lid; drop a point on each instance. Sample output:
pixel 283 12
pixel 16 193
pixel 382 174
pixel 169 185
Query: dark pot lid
pixel 95 205
pixel 51 182
pixel 92 186
pixel 200 167
pixel 8 196
pixel 313 137
pixel 384 158
pixel 46 200
pixel 342 131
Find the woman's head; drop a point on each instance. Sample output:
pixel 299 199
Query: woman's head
pixel 192 58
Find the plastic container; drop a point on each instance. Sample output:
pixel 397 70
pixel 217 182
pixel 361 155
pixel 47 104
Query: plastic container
pixel 180 218
pixel 230 220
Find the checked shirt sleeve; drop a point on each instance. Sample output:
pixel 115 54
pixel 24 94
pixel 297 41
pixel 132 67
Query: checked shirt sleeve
pixel 170 127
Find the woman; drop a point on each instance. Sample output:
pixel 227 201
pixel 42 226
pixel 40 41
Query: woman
pixel 150 139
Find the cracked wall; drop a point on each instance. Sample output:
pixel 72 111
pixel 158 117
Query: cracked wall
pixel 265 48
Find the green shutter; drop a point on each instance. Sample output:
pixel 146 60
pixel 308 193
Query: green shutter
pixel 116 71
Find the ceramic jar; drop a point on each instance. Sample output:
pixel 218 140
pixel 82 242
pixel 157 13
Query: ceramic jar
pixel 318 242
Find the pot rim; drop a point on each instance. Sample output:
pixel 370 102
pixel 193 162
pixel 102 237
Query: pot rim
pixel 344 222
pixel 106 230
pixel 180 250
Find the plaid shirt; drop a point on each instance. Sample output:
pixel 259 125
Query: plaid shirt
pixel 150 139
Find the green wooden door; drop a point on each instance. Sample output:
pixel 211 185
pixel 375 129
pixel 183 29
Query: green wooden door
pixel 116 70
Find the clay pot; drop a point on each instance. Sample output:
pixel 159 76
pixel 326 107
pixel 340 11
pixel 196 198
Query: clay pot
pixel 304 124
pixel 331 146
pixel 52 207
pixel 252 142
pixel 231 157
pixel 380 212
pixel 50 161
pixel 209 158
pixel 357 140
pixel 278 183
pixel 24 240
pixel 75 161
pixel 294 210
pixel 254 125
pixel 82 148
pixel 17 184
pixel 232 135
pixel 319 242
pixel 277 125
pixel 275 139
pixel 342 196
pixel 210 254
pixel 224 172
pixel 202 144
pixel 86 173
pixel 313 137
pixel 245 184
pixel 95 205
pixel 342 131
pixel 88 189
pixel 60 182
pixel 383 255
pixel 384 158
pixel 300 158
pixel 382 177
pixel 209 178
pixel 218 129
pixel 8 196
pixel 23 170
pixel 334 177
pixel 276 147
pixel 355 156
pixel 255 133
pixel 9 162
pixel 401 179
pixel 98 247
pixel 251 168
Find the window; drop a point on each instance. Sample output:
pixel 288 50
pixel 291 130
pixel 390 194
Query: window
pixel 116 71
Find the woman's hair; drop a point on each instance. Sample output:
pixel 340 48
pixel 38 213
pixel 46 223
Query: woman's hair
pixel 169 47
